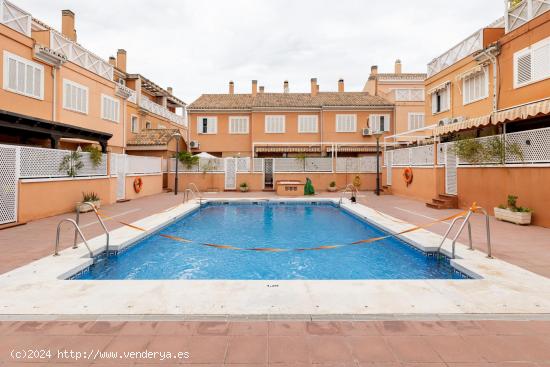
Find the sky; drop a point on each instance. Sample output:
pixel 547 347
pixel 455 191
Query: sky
pixel 198 46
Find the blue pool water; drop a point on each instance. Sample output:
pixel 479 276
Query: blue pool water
pixel 264 224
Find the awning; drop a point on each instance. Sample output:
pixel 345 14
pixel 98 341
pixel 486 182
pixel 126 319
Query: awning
pixel 475 70
pixel 463 125
pixel 439 87
pixel 522 112
pixel 285 149
pixel 354 149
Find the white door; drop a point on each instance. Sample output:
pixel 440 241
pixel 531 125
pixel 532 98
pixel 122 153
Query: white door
pixel 450 170
pixel 389 165
pixel 9 175
pixel 121 176
pixel 230 168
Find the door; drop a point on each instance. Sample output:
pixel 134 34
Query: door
pixel 8 183
pixel 268 172
pixel 121 176
pixel 450 170
pixel 230 168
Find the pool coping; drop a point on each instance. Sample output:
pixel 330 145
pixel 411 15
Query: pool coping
pixel 497 288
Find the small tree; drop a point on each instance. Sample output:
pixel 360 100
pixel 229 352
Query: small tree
pixel 96 156
pixel 188 159
pixel 71 164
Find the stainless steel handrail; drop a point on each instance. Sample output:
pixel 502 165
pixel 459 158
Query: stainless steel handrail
pixel 466 220
pixel 91 205
pixel 77 228
pixel 192 188
pixel 352 190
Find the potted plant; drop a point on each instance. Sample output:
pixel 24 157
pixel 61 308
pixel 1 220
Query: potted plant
pixel 513 213
pixel 332 186
pixel 88 197
pixel 244 187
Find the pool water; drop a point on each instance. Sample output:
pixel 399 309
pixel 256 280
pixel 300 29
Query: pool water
pixel 268 225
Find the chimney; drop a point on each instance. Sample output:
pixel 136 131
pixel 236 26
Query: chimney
pixel 398 66
pixel 170 90
pixel 261 89
pixel 341 86
pixel 314 87
pixel 254 88
pixel 121 59
pixel 374 70
pixel 231 87
pixel 67 24
pixel 285 87
pixel 112 60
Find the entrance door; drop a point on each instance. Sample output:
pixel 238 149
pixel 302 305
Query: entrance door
pixel 268 173
pixel 450 170
pixel 230 167
pixel 121 176
pixel 8 180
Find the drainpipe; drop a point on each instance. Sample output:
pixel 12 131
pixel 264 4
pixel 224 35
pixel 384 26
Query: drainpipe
pixel 490 53
pixel 321 130
pixel 54 93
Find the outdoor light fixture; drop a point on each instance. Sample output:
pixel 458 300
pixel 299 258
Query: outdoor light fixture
pixel 176 135
pixel 378 135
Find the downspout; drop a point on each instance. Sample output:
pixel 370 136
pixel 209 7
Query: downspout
pixel 54 93
pixel 124 102
pixel 321 131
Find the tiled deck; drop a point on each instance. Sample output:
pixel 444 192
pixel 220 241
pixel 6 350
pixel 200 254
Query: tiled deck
pixel 381 343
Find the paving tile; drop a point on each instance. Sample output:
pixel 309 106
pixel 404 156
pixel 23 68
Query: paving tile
pixel 371 349
pixel 465 327
pixel 212 328
pixel 396 328
pixel 498 327
pixel 367 328
pixel 434 328
pixel 138 328
pixel 104 327
pixel 453 348
pixel 496 349
pixel 281 328
pixel 288 349
pixel 328 349
pixel 176 328
pixel 323 328
pixel 207 349
pixel 412 349
pixel 248 328
pixel 247 349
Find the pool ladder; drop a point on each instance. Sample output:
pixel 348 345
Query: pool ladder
pixel 351 189
pixel 193 190
pixel 78 231
pixel 466 221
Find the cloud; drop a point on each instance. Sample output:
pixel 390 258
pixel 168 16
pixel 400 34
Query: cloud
pixel 198 46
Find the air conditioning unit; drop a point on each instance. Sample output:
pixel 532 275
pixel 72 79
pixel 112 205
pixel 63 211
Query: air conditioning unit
pixel 458 119
pixel 194 144
pixel 445 121
pixel 367 132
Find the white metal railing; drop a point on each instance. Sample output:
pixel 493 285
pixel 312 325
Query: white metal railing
pixel 15 18
pixel 409 94
pixel 45 163
pixel 143 165
pixel 258 164
pixel 126 93
pixel 313 164
pixel 457 53
pixel 157 109
pixel 414 156
pixel 519 13
pixel 243 164
pixel 357 165
pixel 80 56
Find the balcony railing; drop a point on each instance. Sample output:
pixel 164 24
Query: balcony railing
pixel 126 93
pixel 520 12
pixel 161 111
pixel 15 18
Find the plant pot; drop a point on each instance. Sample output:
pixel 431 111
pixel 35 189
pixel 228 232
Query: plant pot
pixel 86 208
pixel 244 189
pixel 506 215
pixel 332 189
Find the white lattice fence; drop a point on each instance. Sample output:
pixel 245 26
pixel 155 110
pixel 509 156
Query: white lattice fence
pixel 89 169
pixel 422 156
pixel 534 144
pixel 357 165
pixel 401 157
pixel 288 165
pixel 243 164
pixel 258 164
pixel 143 165
pixel 441 151
pixel 8 184
pixel 318 164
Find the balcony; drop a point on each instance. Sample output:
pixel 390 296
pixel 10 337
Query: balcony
pixel 126 93
pixel 520 12
pixel 15 18
pixel 157 109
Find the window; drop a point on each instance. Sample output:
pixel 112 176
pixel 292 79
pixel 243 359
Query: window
pixel 207 125
pixel 475 86
pixel 109 108
pixel 238 125
pixel 307 124
pixel 532 64
pixel 441 99
pixel 379 122
pixel 23 76
pixel 148 124
pixel 134 125
pixel 409 94
pixel 75 97
pixel 274 124
pixel 346 123
pixel 416 120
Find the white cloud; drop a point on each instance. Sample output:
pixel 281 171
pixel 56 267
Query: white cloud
pixel 198 46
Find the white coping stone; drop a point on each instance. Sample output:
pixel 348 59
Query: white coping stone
pixel 498 288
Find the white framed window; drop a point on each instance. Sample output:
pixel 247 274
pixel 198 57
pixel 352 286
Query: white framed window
pixel 23 76
pixel 379 123
pixel 346 123
pixel 134 124
pixel 207 125
pixel 441 99
pixel 416 120
pixel 75 97
pixel 238 124
pixel 308 124
pixel 274 124
pixel 475 87
pixel 148 124
pixel 110 108
pixel 412 94
pixel 532 64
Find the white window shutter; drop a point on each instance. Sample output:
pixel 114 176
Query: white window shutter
pixel 541 61
pixel 523 69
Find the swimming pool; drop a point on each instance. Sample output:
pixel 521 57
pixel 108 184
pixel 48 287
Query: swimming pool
pixel 289 226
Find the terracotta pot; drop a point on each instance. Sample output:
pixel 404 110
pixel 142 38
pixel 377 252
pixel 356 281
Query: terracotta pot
pixel 332 189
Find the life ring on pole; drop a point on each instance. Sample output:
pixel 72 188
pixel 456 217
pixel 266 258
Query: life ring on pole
pixel 138 184
pixel 408 175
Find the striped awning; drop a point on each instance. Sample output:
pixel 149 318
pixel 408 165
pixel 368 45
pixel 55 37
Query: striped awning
pixel 463 125
pixel 522 112
pixel 354 149
pixel 285 149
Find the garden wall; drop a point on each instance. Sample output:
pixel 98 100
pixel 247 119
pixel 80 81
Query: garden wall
pixel 152 185
pixel 427 182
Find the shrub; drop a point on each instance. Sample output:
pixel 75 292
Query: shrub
pixel 96 156
pixel 188 159
pixel 89 197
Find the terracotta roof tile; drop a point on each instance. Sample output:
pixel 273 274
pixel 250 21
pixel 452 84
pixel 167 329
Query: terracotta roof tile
pixel 153 137
pixel 402 76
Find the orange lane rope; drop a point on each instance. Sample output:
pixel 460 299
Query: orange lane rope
pixel 473 208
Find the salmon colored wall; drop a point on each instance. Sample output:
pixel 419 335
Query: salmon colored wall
pixel 517 40
pixel 222 141
pixel 329 130
pixel 427 183
pixel 490 187
pixel 20 45
pixel 143 118
pixel 203 181
pixel 321 181
pixel 35 198
pixel 152 184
